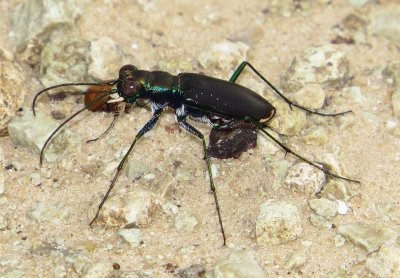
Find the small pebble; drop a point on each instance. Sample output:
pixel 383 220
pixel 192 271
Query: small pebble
pixel 342 207
pixel 99 270
pixel 351 30
pixel 131 235
pixel 133 207
pixel 391 72
pixel 224 55
pixel 106 58
pixel 316 136
pixel 326 65
pixel 307 243
pixel 387 210
pixel 31 132
pixel 12 90
pixel 330 161
pixel 305 178
pixel 279 169
pixel 214 170
pixel 337 190
pixel 116 266
pixel 36 179
pixel 312 96
pixel 149 176
pixel 147 5
pixel 339 241
pixel 357 94
pixel 37 20
pixel 53 213
pixel 282 7
pixel 60 271
pixel 385 262
pixel 239 264
pixel 266 145
pixel 88 245
pixel 170 208
pixel 369 237
pixel 193 271
pixel 278 222
pixel 386 24
pixel 320 222
pixel 64 59
pixel 296 261
pixel 324 207
pixel 135 168
pixel 80 262
pixel 185 221
pixel 287 121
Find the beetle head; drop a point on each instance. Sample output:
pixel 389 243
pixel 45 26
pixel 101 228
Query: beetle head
pixel 128 85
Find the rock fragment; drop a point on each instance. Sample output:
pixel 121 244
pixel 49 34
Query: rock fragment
pixel 12 91
pixel 324 207
pixel 305 178
pixel 369 237
pixel 31 132
pixel 64 59
pixel 239 264
pixel 38 19
pixel 131 235
pixel 53 213
pixel 278 222
pixel 106 58
pixel 386 262
pixel 185 221
pixel 312 96
pixel 325 65
pixel 134 207
pixel 287 121
pixel 224 55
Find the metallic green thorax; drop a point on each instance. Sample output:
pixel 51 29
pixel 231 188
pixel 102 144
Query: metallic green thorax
pixel 158 86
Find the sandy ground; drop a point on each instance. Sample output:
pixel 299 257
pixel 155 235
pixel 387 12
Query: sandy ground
pixel 169 33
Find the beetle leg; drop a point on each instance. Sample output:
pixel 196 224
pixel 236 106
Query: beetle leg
pixel 287 150
pixel 188 127
pixel 116 115
pixel 147 127
pixel 241 67
pixel 66 121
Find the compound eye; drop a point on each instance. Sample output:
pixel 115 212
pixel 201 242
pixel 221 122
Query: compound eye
pixel 127 70
pixel 130 87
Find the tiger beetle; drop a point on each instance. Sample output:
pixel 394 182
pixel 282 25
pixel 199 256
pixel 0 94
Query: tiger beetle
pixel 219 103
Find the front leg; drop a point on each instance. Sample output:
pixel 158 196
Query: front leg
pixel 147 127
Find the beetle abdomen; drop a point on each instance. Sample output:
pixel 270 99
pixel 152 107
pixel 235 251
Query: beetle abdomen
pixel 217 95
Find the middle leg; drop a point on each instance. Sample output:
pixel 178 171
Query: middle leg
pixel 185 125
